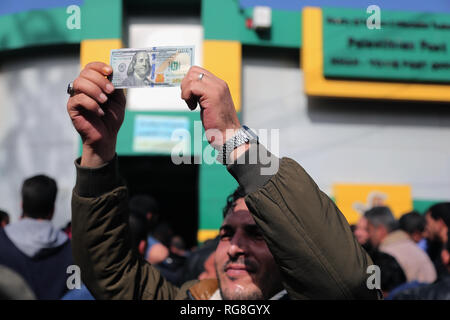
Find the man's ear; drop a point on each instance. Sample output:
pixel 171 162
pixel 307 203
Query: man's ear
pixel 142 246
pixel 149 216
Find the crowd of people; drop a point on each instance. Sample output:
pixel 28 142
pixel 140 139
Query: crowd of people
pixel 281 236
pixel 412 252
pixel 35 256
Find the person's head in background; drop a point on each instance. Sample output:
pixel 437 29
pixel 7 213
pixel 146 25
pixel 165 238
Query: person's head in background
pixel 4 218
pixel 209 271
pixel 437 222
pixel 38 197
pixel 391 274
pixel 138 233
pixel 380 222
pixel 360 231
pixel 245 267
pixel 178 246
pixel 413 223
pixel 146 208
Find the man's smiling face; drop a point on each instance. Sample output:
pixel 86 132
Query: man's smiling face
pixel 245 267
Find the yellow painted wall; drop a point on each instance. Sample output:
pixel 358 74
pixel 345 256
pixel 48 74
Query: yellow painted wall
pixel 224 59
pixel 97 50
pixel 354 199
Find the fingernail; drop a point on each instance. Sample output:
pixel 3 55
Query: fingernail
pixel 101 113
pixel 107 69
pixel 109 88
pixel 103 97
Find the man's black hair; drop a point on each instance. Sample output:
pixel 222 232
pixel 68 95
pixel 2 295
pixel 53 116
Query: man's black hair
pixel 412 222
pixel 392 275
pixel 381 216
pixel 4 216
pixel 141 204
pixel 232 198
pixel 138 230
pixel 441 211
pixel 38 196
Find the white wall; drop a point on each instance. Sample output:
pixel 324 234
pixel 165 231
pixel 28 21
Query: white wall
pixel 347 141
pixel 36 135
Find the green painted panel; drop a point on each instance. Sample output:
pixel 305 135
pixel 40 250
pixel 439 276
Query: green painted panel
pixel 422 206
pixel 36 28
pixel 100 19
pixel 224 20
pixel 125 138
pixel 215 185
pixel 409 46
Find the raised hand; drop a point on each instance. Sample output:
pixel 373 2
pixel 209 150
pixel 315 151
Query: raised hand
pixel 217 108
pixel 97 112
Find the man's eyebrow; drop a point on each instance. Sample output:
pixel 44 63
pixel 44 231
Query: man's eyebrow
pixel 225 227
pixel 252 228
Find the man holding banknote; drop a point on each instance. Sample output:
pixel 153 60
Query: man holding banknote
pixel 280 234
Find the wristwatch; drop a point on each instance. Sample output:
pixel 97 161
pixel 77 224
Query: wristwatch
pixel 243 135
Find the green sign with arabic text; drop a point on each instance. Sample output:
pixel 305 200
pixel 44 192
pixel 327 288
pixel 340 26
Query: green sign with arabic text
pixel 411 47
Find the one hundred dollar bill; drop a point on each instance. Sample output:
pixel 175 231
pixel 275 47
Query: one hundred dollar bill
pixel 150 67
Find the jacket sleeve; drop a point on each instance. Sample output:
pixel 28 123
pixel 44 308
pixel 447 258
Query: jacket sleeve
pixel 310 239
pixel 101 243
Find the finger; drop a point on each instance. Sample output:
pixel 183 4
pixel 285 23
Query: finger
pixel 83 85
pixel 101 67
pixel 97 78
pixel 85 102
pixel 192 92
pixel 196 70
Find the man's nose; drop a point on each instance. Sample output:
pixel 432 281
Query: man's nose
pixel 237 246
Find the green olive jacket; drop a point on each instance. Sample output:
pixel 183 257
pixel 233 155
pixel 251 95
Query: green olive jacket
pixel 310 239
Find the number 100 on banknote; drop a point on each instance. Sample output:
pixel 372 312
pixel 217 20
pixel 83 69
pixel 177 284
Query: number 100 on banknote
pixel 150 67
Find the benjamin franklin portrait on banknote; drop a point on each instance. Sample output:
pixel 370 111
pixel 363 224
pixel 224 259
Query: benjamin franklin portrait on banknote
pixel 138 70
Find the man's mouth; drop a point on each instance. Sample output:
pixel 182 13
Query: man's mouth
pixel 237 270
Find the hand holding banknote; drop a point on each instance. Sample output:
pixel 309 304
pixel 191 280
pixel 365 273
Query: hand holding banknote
pixel 97 108
pixel 218 113
pixel 97 111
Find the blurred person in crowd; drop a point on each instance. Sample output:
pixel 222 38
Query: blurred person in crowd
pixel 13 286
pixel 413 223
pixel 138 70
pixel 384 236
pixel 145 208
pixel 194 264
pixel 391 274
pixel 437 222
pixel 4 218
pixel 172 267
pixel 362 235
pixel 209 270
pixel 32 246
pixel 283 217
pixel 440 290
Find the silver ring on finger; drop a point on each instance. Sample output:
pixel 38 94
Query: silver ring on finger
pixel 70 89
pixel 200 76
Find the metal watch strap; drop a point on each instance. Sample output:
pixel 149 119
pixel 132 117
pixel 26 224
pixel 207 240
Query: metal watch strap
pixel 238 139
